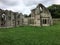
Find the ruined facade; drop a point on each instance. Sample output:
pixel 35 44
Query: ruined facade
pixel 10 19
pixel 40 16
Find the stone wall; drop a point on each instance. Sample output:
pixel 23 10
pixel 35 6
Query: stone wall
pixel 37 17
pixel 39 14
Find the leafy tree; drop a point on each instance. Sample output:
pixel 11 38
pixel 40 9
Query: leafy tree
pixel 55 10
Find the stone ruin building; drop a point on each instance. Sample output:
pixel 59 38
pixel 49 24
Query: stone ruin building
pixel 10 19
pixel 40 16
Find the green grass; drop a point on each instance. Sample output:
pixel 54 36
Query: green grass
pixel 30 35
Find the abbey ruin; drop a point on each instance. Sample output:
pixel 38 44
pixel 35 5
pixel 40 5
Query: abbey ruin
pixel 40 16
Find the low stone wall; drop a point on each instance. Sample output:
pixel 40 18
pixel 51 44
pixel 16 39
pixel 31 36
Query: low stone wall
pixel 56 20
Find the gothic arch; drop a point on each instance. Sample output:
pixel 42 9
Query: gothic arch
pixel 3 19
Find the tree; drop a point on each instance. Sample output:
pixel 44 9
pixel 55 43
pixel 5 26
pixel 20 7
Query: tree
pixel 55 10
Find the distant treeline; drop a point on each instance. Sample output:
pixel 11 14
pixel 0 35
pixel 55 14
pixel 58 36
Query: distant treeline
pixel 54 10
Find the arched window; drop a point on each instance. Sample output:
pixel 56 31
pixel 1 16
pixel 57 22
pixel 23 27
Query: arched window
pixel 44 21
pixel 41 9
pixel 3 17
pixel 18 16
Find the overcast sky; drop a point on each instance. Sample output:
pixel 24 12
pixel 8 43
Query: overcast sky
pixel 25 6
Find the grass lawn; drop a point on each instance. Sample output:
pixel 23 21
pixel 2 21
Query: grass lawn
pixel 30 35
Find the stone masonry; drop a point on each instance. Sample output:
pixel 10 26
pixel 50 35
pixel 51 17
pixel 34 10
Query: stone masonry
pixel 40 16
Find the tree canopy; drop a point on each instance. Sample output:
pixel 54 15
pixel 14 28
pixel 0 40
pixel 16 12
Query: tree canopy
pixel 55 10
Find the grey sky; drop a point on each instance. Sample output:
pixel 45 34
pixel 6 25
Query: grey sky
pixel 24 6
